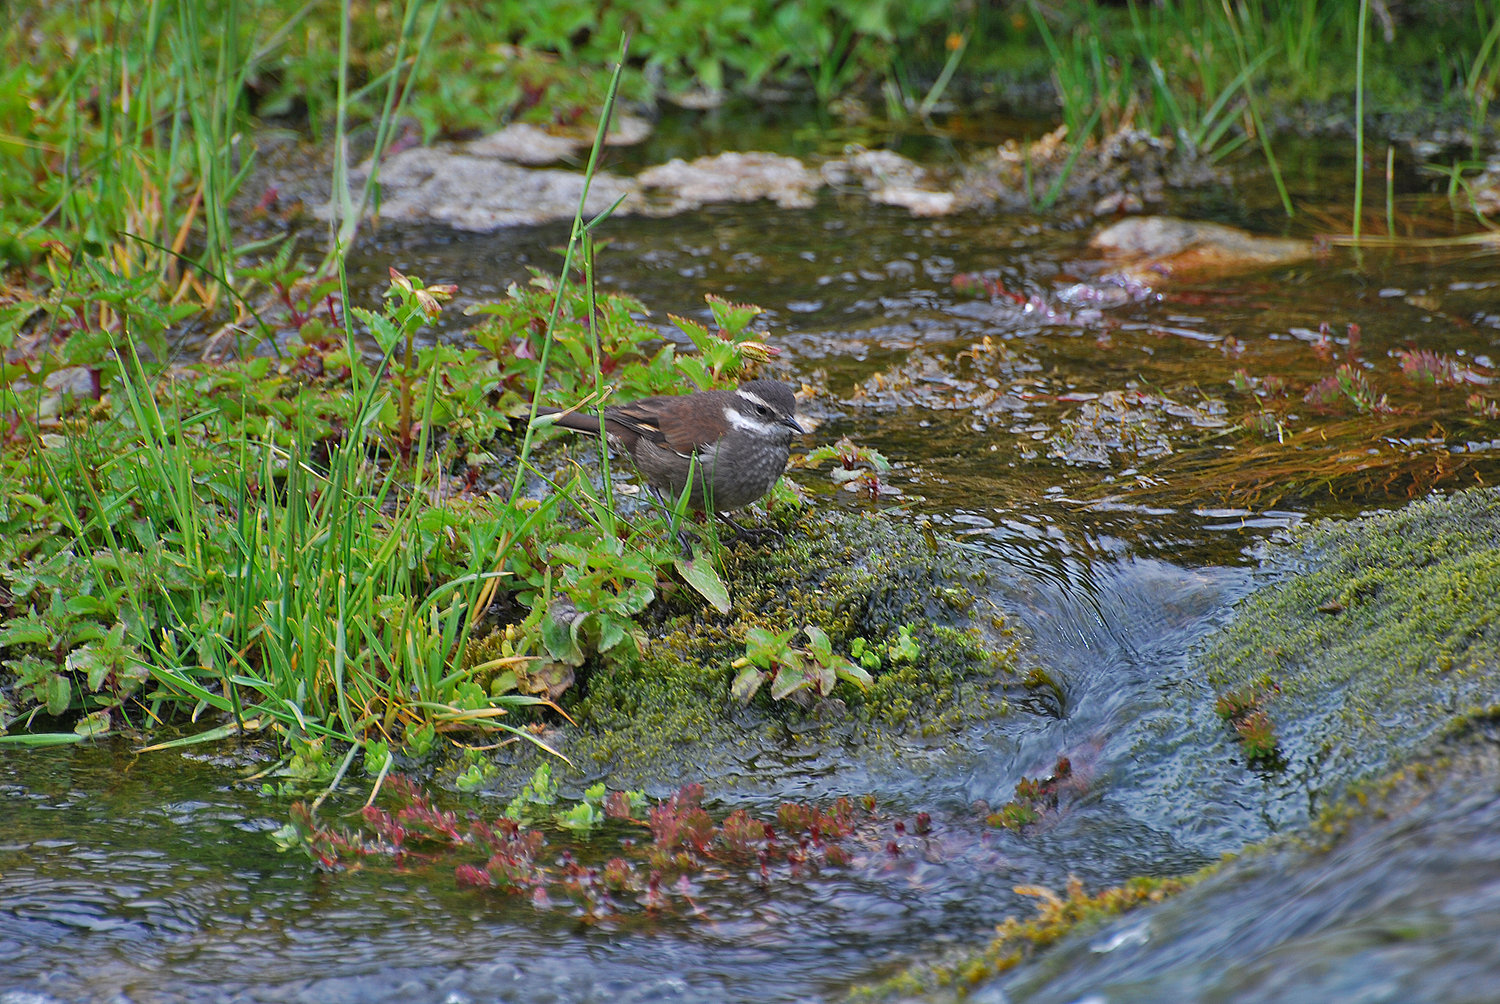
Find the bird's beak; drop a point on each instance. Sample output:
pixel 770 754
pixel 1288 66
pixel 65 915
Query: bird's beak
pixel 791 423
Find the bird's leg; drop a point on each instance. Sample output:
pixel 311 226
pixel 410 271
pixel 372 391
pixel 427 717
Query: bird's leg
pixel 685 541
pixel 751 535
pixel 684 538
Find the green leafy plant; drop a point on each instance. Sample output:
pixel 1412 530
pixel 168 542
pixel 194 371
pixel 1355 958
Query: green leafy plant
pixel 213 555
pixel 540 802
pixel 600 589
pixel 477 771
pixel 412 307
pixel 307 767
pixel 872 655
pixel 771 657
pixel 857 468
pixel 378 759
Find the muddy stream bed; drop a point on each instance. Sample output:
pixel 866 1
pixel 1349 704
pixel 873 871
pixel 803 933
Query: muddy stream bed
pixel 1123 458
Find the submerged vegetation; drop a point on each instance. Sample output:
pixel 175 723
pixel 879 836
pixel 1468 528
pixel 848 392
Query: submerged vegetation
pixel 665 854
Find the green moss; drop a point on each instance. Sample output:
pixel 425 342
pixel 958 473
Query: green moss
pixel 667 712
pixel 862 576
pixel 1017 940
pixel 1382 631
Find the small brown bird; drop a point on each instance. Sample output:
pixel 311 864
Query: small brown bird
pixel 733 444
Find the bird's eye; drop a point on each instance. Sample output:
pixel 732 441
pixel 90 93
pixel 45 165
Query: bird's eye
pixel 761 409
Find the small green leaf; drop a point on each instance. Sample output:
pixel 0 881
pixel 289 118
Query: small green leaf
pixel 59 694
pixel 611 632
pixel 96 724
pixel 89 661
pixel 699 573
pixel 420 739
pixel 823 677
pixel 746 684
pixel 88 606
pixel 818 643
pixel 766 649
pixel 581 818
pixel 560 641
pixel 789 680
pixel 854 674
pixel 25 633
pixel 377 756
pixel 696 332
pixel 732 317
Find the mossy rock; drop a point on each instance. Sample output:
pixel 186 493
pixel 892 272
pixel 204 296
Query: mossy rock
pixel 1390 886
pixel 1381 632
pixel 1370 638
pixel 665 714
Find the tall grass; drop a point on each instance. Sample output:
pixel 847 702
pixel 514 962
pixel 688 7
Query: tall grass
pixel 1359 119
pixel 303 571
pixel 143 141
pixel 258 576
pixel 275 577
pixel 1208 71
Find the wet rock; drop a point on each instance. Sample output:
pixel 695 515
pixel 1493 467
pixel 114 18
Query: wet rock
pixel 1155 247
pixel 1369 639
pixel 478 187
pixel 1118 204
pixel 1124 171
pixel 678 185
pixel 1376 915
pixel 1391 898
pixel 1375 646
pixel 468 192
pixel 891 179
pixel 494 182
pixel 698 98
pixel 523 143
pixel 1384 631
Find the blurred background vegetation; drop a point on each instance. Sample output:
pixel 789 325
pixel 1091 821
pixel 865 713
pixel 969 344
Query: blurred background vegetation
pixel 125 125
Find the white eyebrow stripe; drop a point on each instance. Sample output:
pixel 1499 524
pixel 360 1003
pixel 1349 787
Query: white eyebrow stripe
pixel 742 422
pixel 751 396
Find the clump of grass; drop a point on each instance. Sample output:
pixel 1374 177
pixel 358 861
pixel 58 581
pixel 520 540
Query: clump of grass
pixel 1243 709
pixel 1207 73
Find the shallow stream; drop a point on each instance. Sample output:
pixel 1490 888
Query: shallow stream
pixel 1070 454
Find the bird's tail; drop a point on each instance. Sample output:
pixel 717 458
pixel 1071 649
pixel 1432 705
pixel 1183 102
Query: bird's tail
pixel 576 421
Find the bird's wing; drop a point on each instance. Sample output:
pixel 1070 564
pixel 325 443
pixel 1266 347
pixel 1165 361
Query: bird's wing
pixel 660 422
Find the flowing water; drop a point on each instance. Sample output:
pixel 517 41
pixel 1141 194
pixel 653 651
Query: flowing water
pixel 153 878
